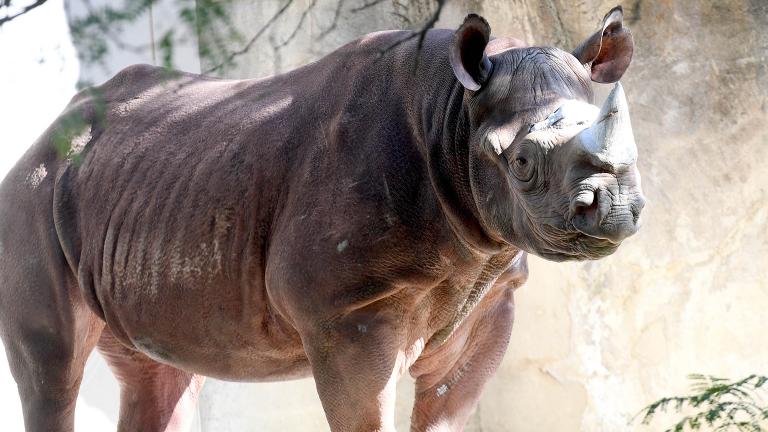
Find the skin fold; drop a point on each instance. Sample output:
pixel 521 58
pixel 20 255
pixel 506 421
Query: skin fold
pixel 362 217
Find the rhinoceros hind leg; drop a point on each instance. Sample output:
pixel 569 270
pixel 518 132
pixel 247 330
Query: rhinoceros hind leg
pixel 154 397
pixel 47 329
pixel 47 365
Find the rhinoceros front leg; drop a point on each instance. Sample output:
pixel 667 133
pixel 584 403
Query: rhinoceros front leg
pixel 356 363
pixel 449 379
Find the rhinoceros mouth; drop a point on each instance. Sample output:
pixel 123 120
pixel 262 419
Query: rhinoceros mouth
pixel 566 243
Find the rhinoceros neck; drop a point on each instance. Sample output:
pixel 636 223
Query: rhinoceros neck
pixel 447 130
pixel 416 87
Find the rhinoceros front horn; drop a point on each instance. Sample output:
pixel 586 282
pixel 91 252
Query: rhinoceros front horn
pixel 610 136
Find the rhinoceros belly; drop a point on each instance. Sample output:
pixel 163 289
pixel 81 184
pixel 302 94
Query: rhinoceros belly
pixel 197 300
pixel 215 330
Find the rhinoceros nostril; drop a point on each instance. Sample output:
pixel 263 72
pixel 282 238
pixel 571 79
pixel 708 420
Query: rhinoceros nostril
pixel 585 204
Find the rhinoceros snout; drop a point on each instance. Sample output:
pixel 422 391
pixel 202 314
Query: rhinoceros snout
pixel 603 215
pixel 609 202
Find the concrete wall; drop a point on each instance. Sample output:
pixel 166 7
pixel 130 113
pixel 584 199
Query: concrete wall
pixel 594 342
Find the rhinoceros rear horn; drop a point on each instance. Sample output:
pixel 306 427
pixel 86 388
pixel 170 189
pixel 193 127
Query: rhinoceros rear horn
pixel 609 50
pixel 468 60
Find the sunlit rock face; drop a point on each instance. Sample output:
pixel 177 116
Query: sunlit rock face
pixel 594 342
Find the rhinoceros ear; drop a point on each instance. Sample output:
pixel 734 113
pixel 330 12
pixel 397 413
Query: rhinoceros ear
pixel 468 60
pixel 609 50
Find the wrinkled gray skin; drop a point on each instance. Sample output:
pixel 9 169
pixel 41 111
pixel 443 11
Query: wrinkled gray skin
pixel 352 220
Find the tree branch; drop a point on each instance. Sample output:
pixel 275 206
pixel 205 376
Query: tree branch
pixel 253 40
pixel 422 32
pixel 297 27
pixel 24 10
pixel 335 22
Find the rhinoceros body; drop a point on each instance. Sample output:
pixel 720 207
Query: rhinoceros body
pixel 355 219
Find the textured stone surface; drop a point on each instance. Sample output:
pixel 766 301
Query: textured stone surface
pixel 594 342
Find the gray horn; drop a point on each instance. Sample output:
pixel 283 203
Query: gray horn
pixel 610 137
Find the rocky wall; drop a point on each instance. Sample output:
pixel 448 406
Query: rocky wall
pixel 596 341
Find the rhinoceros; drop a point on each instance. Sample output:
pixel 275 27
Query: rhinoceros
pixel 363 216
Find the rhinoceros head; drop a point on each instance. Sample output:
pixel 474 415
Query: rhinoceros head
pixel 550 172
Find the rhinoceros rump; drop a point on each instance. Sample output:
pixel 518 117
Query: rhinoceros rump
pixel 360 217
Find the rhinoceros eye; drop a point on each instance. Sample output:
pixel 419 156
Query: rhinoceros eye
pixel 522 167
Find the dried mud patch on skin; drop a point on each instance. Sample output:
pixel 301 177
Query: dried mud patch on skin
pixel 36 176
pixel 78 143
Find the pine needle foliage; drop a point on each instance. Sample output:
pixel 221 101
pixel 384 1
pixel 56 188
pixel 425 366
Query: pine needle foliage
pixel 717 404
